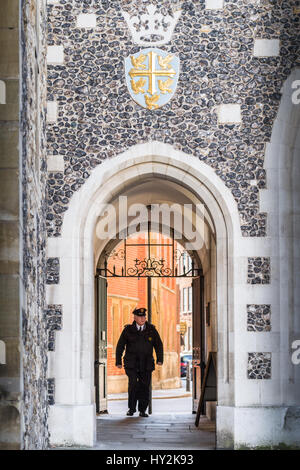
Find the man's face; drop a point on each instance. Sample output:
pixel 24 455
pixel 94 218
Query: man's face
pixel 139 320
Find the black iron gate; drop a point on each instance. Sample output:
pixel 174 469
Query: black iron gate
pixel 150 267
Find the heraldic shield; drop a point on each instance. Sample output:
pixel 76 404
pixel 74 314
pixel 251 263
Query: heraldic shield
pixel 152 77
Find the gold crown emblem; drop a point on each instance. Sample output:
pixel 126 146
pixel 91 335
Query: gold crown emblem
pixel 152 28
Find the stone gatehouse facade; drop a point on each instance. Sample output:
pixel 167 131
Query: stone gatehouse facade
pixel 69 125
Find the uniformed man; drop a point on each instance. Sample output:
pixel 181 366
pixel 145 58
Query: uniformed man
pixel 139 339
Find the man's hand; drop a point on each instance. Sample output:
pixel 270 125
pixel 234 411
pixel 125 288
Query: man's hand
pixel 119 366
pixel 159 363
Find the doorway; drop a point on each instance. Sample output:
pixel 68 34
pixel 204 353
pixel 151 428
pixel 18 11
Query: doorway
pixel 146 178
pixel 169 301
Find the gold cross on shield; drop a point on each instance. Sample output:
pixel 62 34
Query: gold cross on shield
pixel 152 73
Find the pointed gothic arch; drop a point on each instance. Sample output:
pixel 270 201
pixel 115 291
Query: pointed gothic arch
pixel 72 363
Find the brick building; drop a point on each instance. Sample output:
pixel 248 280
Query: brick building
pixel 184 286
pixel 124 294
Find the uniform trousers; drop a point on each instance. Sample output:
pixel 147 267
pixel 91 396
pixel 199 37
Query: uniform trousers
pixel 138 389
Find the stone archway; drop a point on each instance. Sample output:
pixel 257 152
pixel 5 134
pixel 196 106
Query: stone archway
pixel 71 365
pixel 152 190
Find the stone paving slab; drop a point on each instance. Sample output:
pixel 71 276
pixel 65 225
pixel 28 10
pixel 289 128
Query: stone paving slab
pixel 158 432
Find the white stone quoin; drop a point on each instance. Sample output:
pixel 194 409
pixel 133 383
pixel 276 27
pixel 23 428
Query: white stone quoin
pixel 55 163
pixel 266 47
pixel 229 114
pixel 2 92
pixel 86 21
pixel 55 54
pixel 214 4
pixel 2 352
pixel 51 111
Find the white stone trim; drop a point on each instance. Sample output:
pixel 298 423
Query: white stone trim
pixel 214 4
pixel 2 92
pixel 52 109
pixel 55 55
pixel 282 201
pixel 80 421
pixel 55 163
pixel 229 114
pixel 154 21
pixel 86 20
pixel 241 427
pixel 71 364
pixel 2 352
pixel 266 48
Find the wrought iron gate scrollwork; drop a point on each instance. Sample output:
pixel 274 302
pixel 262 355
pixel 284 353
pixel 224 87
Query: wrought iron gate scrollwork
pixel 149 266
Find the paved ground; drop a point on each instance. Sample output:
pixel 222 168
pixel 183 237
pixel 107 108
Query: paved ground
pixel 170 427
pixel 159 432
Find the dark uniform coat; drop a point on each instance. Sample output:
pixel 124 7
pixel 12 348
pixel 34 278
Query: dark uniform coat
pixel 139 347
pixel 139 361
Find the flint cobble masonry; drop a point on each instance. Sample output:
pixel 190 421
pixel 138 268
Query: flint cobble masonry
pixel 54 323
pixel 97 119
pixel 51 391
pixel 33 174
pixel 259 270
pixel 53 268
pixel 259 317
pixel 259 365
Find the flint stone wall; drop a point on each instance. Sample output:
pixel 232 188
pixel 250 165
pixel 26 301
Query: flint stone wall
pixel 97 118
pixel 35 434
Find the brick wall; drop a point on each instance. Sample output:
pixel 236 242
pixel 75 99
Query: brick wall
pixel 124 294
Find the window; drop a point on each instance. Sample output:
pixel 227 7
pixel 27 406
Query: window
pixel 185 299
pixel 190 299
pixel 189 263
pixel 186 261
pixel 183 260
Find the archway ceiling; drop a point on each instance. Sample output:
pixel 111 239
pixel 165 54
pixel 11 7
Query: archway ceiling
pixel 156 190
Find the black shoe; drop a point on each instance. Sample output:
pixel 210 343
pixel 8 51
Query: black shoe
pixel 130 413
pixel 143 414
